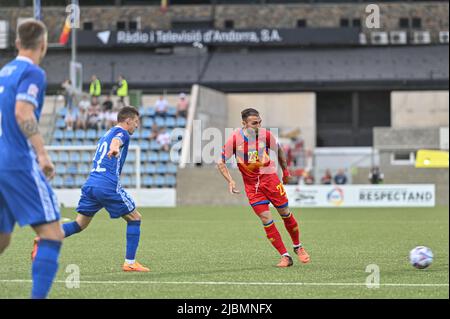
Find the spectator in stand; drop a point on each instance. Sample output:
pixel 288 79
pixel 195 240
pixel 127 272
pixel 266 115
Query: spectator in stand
pixel 122 90
pixel 308 178
pixel 327 178
pixel 182 106
pixel 163 139
pixel 375 176
pixel 93 120
pixel 161 106
pixel 111 118
pixel 340 178
pixel 107 105
pixel 82 118
pixel 71 117
pixel 69 93
pixel 95 89
pixel 84 103
pixel 155 132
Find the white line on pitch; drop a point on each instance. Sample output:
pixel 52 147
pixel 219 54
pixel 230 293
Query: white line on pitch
pixel 231 283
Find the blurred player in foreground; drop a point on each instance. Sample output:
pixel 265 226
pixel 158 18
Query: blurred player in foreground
pixel 25 195
pixel 251 146
pixel 103 189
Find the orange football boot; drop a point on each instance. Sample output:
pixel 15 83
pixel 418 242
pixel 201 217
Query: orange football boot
pixel 286 261
pixel 302 255
pixel 35 248
pixel 135 267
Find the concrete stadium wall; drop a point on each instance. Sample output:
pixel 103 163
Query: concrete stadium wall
pixel 434 15
pixel 285 110
pixel 419 109
pixel 205 186
pixel 387 138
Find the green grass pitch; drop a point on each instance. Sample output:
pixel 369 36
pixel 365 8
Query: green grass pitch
pixel 211 252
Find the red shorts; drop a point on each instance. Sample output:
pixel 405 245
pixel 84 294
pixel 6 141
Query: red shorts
pixel 264 190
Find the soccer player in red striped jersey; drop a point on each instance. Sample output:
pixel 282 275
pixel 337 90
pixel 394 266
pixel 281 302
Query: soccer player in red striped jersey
pixel 251 146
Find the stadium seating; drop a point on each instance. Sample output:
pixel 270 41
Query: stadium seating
pixel 157 168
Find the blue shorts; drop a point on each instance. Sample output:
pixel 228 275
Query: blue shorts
pixel 26 198
pixel 117 203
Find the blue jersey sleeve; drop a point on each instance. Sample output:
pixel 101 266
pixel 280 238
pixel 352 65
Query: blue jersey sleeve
pixel 31 86
pixel 122 136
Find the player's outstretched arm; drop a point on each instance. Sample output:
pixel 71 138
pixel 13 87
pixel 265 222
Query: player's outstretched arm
pixel 226 174
pixel 114 148
pixel 283 163
pixel 29 126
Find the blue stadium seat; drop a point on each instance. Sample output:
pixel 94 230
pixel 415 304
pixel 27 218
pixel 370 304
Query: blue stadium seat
pixel 91 134
pixel 86 156
pixel 128 169
pixel 154 145
pixel 181 122
pixel 153 157
pixel 62 112
pixel 84 168
pixel 58 134
pixel 170 122
pixel 146 134
pixel 125 181
pixel 131 157
pixel 145 145
pixel 147 181
pixel 164 156
pixel 69 182
pixel 56 142
pixel 171 181
pixel 69 134
pixel 53 155
pixel 80 134
pixel 63 156
pixel 147 122
pixel 159 180
pixel 161 169
pixel 72 169
pixel 79 181
pixel 171 111
pixel 60 123
pixel 60 169
pixel 136 135
pixel 150 168
pixel 77 142
pixel 150 111
pixel 100 134
pixel 57 182
pixel 74 157
pixel 144 157
pixel 171 168
pixel 159 120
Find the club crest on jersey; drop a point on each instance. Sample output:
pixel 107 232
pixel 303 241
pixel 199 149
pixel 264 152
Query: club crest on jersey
pixel 33 90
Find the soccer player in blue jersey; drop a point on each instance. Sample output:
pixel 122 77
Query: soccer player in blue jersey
pixel 25 195
pixel 103 189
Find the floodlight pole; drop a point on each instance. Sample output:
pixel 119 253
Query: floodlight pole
pixel 74 35
pixel 37 9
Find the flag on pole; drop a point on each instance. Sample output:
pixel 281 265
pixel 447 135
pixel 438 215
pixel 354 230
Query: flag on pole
pixel 164 5
pixel 64 37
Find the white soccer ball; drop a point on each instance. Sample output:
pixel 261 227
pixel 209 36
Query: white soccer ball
pixel 421 257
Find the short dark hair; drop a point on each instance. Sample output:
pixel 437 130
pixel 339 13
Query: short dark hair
pixel 30 33
pixel 249 112
pixel 127 112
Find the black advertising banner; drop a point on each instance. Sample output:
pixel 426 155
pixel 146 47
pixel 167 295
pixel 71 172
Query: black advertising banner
pixel 261 37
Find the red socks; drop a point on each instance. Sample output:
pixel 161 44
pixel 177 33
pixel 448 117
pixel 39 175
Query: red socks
pixel 274 237
pixel 292 228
